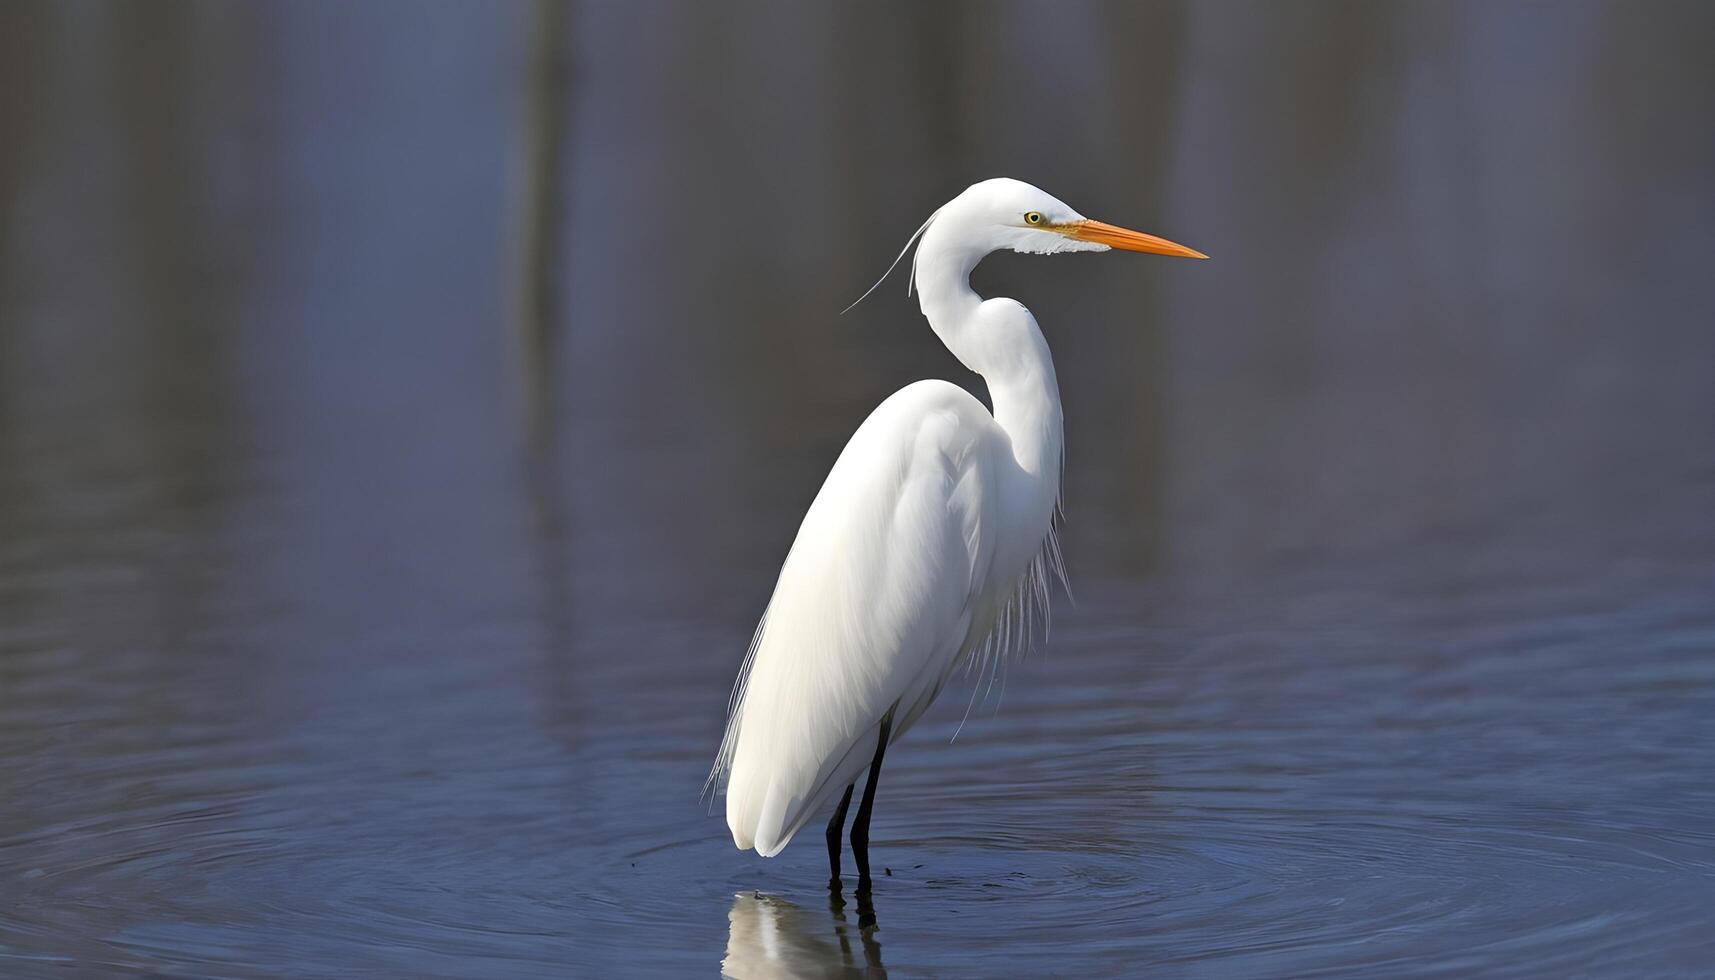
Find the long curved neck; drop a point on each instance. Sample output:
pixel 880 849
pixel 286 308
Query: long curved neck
pixel 1001 342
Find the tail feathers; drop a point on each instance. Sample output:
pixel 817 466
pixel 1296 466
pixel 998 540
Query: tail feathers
pixel 765 810
pixel 758 823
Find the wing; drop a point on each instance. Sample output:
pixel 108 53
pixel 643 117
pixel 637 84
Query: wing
pixel 873 606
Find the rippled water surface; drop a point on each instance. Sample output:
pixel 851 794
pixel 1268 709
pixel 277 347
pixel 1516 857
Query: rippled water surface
pixel 399 434
pixel 1328 771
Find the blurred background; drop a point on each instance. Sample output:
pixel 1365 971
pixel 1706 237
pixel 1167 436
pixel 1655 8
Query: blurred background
pixel 404 409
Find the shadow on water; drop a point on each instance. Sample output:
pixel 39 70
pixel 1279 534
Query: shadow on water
pixel 769 937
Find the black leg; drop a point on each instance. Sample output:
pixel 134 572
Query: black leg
pixel 860 826
pixel 837 824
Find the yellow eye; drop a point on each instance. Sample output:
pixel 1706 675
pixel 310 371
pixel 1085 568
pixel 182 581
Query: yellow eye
pixel 1033 217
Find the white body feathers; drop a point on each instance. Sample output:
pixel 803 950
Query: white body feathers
pixel 935 520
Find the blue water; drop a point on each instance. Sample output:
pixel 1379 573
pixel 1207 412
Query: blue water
pixel 371 582
pixel 1466 772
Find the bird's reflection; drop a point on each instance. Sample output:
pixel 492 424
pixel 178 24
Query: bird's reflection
pixel 771 937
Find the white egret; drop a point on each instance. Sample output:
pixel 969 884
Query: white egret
pixel 935 524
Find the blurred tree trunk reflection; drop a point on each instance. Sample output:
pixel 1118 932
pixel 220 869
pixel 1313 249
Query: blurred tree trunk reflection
pixel 25 39
pixel 541 216
pixel 538 323
pixel 1144 45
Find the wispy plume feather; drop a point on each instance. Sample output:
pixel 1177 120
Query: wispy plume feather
pixel 895 264
pixel 1021 622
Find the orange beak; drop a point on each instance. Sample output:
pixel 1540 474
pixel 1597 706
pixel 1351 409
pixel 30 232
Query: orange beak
pixel 1114 236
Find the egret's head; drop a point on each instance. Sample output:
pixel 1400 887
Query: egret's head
pixel 1005 213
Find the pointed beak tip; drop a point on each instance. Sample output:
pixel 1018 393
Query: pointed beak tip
pixel 1128 240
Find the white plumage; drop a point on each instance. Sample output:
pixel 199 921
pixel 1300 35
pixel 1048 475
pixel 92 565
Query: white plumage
pixel 935 520
pixel 875 601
